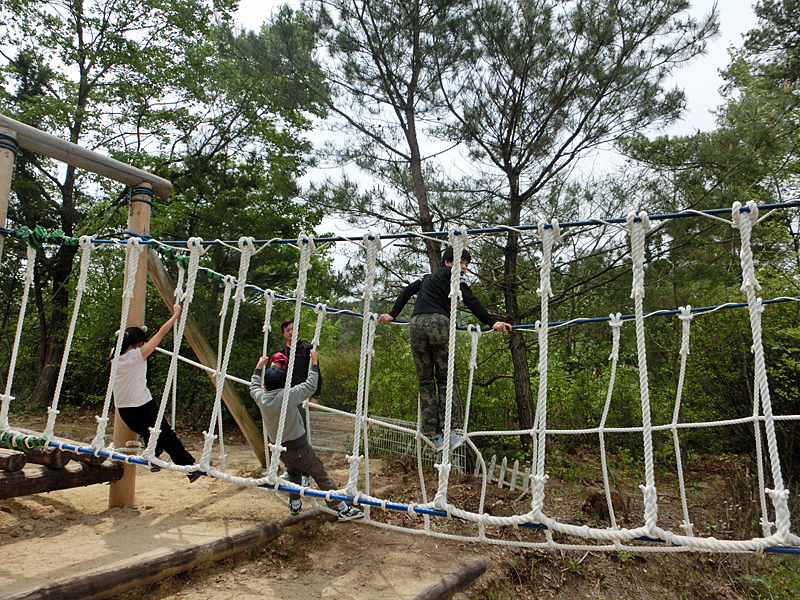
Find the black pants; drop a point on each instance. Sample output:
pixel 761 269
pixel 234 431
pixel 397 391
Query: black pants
pixel 305 460
pixel 141 418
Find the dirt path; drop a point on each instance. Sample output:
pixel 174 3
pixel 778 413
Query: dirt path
pixel 64 533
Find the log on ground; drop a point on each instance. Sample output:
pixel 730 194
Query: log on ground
pixel 12 460
pixel 35 480
pixel 117 579
pixel 455 582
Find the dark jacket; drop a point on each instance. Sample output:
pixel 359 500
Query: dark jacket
pixel 433 296
pixel 302 360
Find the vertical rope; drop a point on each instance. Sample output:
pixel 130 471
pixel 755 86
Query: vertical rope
pixel 178 295
pixel 372 245
pixel 196 250
pixel 306 250
pixel 373 321
pixel 750 285
pixel 52 412
pixel 133 249
pixel 686 320
pixel 269 303
pixel 475 335
pixel 637 230
pixel 320 309
pixel 459 241
pixel 247 250
pixel 548 236
pixel 7 397
pixel 616 326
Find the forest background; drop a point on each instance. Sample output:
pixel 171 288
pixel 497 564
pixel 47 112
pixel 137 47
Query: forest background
pixel 521 90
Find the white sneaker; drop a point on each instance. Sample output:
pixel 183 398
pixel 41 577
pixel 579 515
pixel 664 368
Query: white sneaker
pixel 306 480
pixel 348 513
pixel 285 476
pixel 456 439
pixel 438 442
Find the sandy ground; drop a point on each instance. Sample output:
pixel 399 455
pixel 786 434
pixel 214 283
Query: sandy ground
pixel 65 533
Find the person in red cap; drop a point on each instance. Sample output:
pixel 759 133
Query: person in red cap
pixel 302 364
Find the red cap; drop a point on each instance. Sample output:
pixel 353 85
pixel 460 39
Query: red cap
pixel 280 358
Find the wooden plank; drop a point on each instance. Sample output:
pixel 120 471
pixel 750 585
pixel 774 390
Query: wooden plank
pixel 118 579
pixel 35 480
pixel 455 582
pixel 207 357
pixel 12 460
pixel 38 141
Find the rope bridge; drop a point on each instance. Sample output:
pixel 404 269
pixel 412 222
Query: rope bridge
pixel 535 525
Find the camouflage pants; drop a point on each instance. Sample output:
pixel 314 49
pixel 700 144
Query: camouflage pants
pixel 429 338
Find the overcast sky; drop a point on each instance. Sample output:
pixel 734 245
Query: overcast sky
pixel 700 79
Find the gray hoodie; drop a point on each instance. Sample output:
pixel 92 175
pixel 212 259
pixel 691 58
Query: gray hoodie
pixel 270 404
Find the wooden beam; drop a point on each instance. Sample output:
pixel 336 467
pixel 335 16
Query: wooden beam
pixel 35 480
pixel 118 579
pixel 455 582
pixel 38 141
pixel 207 357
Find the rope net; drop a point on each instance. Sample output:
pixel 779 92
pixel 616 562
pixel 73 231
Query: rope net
pixel 534 519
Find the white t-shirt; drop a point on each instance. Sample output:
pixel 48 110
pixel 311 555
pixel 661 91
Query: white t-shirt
pixel 130 388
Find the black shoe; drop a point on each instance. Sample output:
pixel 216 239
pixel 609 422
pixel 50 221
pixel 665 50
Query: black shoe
pixel 195 475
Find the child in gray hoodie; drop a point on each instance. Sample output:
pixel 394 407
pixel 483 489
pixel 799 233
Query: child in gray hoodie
pixel 299 457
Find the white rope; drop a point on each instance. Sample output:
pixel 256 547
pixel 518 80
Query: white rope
pixel 269 303
pixel 637 230
pixel 133 250
pixel 196 250
pixel 686 320
pixel 320 309
pixel 548 236
pixel 86 245
pixel 7 397
pixel 246 249
pixel 306 245
pixel 372 245
pixel 178 296
pixel 459 242
pixel 750 285
pixel 616 325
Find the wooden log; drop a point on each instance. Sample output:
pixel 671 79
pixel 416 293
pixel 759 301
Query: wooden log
pixel 118 579
pixel 207 357
pixel 35 480
pixel 455 582
pixel 86 458
pixel 72 154
pixel 12 460
pixel 49 456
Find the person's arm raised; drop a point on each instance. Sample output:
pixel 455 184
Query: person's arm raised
pixel 151 344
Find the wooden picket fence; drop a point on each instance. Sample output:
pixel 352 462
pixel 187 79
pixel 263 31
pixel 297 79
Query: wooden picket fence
pixel 512 478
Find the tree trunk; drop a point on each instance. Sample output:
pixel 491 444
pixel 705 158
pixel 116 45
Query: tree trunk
pixel 516 341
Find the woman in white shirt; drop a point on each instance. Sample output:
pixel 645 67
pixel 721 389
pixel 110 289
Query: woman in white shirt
pixel 134 400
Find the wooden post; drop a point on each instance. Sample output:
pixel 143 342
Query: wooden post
pixel 6 171
pixel 123 492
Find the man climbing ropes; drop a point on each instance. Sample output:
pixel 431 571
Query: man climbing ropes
pixel 429 333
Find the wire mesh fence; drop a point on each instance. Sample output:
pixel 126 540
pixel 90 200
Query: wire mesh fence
pixel 388 438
